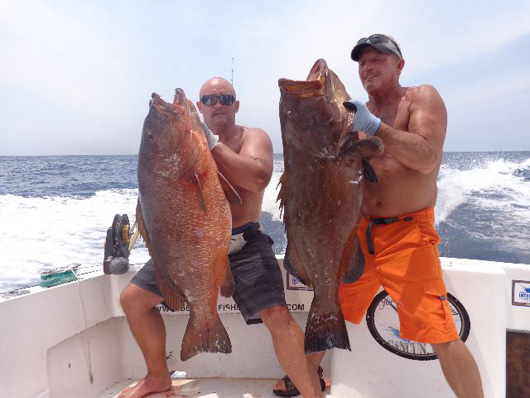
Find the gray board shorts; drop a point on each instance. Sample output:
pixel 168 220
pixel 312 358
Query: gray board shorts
pixel 258 282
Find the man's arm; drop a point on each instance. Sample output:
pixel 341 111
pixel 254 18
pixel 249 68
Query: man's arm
pixel 251 168
pixel 421 147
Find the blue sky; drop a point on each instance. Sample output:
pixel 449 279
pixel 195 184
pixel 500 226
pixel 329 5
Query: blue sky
pixel 76 76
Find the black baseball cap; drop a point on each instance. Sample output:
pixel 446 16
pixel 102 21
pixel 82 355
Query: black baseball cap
pixel 380 42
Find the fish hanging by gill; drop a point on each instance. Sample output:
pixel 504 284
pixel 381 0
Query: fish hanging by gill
pixel 325 165
pixel 185 220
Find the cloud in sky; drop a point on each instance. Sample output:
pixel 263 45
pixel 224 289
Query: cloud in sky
pixel 76 77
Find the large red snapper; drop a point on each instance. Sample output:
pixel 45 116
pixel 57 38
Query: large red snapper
pixel 321 196
pixel 185 219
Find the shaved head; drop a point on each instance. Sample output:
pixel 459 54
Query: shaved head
pixel 218 115
pixel 217 85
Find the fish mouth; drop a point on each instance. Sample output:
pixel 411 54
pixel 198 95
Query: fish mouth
pixel 177 108
pixel 314 85
pixel 180 99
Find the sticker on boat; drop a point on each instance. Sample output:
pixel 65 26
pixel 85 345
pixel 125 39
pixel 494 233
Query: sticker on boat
pixel 521 293
pixel 383 323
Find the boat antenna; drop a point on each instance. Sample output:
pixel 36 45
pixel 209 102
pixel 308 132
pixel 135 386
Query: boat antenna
pixel 232 79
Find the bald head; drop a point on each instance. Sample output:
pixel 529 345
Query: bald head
pixel 220 113
pixel 217 85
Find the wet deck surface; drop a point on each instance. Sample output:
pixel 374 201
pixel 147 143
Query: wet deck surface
pixel 207 388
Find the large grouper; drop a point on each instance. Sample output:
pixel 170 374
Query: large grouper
pixel 325 168
pixel 184 219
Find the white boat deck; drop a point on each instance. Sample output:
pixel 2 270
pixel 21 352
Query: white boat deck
pixel 88 351
pixel 207 388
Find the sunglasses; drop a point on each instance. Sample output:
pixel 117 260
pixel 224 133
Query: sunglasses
pixel 381 39
pixel 213 99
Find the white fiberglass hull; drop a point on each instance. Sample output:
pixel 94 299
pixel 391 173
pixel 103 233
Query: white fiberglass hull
pixel 73 341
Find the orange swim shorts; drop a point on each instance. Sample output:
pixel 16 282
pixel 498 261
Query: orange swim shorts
pixel 401 255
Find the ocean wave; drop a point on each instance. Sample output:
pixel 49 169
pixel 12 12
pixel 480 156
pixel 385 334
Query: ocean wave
pixel 496 186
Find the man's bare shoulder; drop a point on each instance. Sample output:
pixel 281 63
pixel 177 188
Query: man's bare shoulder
pixel 254 134
pixel 253 130
pixel 421 92
pixel 256 142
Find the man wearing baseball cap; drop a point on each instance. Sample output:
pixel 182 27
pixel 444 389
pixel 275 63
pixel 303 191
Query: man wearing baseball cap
pixel 383 43
pixel 397 233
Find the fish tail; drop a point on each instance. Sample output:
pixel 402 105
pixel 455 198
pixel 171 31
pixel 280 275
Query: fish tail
pixel 204 334
pixel 325 332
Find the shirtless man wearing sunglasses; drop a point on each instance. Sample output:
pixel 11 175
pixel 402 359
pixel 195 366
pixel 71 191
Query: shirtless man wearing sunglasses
pixel 244 156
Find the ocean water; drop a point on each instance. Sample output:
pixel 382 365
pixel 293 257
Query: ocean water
pixel 55 210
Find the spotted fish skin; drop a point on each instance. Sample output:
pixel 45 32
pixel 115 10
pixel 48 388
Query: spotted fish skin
pixel 325 165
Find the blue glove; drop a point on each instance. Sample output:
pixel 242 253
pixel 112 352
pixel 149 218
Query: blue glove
pixel 364 120
pixel 212 139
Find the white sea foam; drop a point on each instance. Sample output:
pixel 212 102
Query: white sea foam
pixel 270 203
pixel 493 186
pixel 57 231
pixel 497 200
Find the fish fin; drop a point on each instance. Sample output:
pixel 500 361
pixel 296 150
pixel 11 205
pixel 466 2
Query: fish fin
pixel 356 266
pixel 368 171
pixel 293 265
pixel 202 202
pixel 227 288
pixel 282 183
pixel 326 331
pixel 366 148
pixel 141 227
pixel 231 194
pixel 172 296
pixel 291 259
pixel 204 334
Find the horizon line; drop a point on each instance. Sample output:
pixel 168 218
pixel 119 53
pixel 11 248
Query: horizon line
pixel 275 153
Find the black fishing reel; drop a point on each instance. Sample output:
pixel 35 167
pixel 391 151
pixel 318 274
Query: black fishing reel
pixel 116 257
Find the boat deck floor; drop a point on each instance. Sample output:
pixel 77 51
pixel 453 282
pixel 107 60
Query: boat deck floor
pixel 207 388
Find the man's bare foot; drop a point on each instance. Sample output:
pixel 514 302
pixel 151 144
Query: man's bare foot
pixel 147 385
